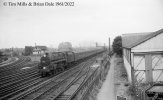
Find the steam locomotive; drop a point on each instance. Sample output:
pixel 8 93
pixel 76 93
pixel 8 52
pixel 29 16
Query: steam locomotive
pixel 58 61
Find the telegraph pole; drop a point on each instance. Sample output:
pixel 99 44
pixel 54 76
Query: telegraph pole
pixel 109 45
pixel 96 44
pixel 35 45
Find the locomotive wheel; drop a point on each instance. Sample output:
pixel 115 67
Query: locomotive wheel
pixel 59 70
pixel 43 74
pixel 65 67
pixel 61 66
pixel 52 72
pixel 62 69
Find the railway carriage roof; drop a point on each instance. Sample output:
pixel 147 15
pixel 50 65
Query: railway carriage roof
pixel 134 39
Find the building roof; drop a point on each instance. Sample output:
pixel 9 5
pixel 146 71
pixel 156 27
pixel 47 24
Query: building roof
pixel 41 47
pixel 134 39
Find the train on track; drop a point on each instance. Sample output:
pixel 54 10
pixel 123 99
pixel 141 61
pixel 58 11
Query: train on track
pixel 58 61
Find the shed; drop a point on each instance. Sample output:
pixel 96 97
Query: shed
pixel 143 56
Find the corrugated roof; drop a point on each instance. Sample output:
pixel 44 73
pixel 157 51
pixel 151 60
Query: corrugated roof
pixel 134 39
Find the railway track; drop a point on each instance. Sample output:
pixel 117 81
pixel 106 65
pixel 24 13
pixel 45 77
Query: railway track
pixel 17 74
pixel 14 67
pixel 47 80
pixel 9 61
pixel 58 84
pixel 11 87
pixel 21 84
pixel 68 92
pixel 79 87
pixel 11 64
pixel 53 92
pixel 18 82
pixel 19 79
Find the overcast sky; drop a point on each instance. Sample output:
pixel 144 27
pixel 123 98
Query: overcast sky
pixel 87 21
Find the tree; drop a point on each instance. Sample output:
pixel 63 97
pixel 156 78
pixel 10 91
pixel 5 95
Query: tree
pixel 28 50
pixel 65 46
pixel 117 45
pixel 1 53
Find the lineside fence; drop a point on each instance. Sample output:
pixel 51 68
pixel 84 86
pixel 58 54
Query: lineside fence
pixel 89 89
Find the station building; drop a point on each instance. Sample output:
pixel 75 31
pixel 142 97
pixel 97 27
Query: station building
pixel 143 56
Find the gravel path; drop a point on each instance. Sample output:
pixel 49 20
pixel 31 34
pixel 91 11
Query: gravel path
pixel 107 90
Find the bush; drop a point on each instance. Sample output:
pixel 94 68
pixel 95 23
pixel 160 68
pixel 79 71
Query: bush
pixel 131 90
pixel 124 74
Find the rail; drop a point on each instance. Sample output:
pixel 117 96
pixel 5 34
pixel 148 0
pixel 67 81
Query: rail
pixel 85 89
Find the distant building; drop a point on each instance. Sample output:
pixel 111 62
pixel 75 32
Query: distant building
pixel 39 49
pixel 143 56
pixel 29 50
